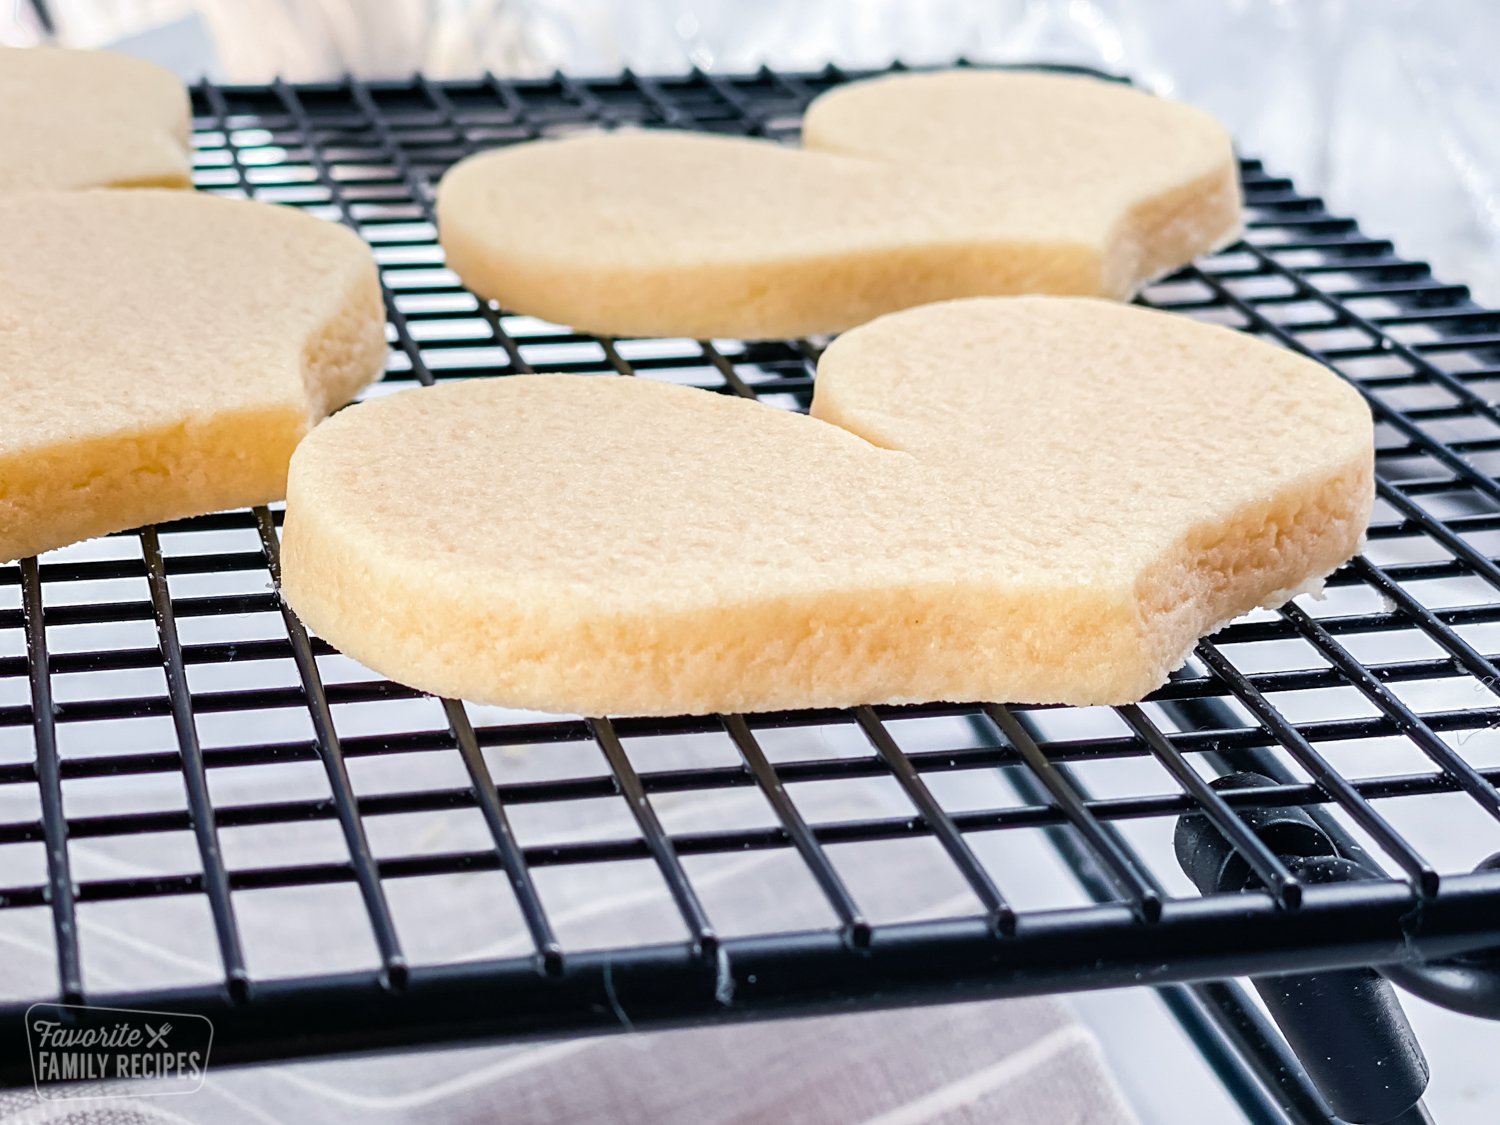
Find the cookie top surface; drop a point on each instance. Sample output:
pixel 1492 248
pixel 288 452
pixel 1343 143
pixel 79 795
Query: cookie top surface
pixel 1038 440
pixel 1070 144
pixel 80 119
pixel 147 308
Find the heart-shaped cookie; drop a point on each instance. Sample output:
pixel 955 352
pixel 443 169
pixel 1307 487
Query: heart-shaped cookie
pixel 1026 183
pixel 80 119
pixel 1025 499
pixel 162 352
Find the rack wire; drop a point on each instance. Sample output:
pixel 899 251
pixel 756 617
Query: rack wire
pixel 1372 705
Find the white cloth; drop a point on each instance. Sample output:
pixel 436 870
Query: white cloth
pixel 1017 1061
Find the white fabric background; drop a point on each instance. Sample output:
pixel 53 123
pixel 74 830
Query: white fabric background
pixel 1019 1061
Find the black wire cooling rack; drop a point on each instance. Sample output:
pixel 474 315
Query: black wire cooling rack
pixel 1372 707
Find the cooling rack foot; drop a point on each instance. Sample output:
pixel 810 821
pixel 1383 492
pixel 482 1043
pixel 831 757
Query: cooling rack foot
pixel 1346 1026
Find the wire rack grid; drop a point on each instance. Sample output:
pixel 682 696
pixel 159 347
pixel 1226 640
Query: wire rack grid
pixel 166 654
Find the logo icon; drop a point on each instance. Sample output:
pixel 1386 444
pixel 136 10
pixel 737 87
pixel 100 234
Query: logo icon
pixel 80 1051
